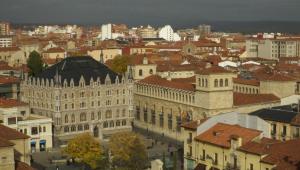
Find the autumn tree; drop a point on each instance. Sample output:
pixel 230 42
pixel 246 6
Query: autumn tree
pixel 119 64
pixel 128 151
pixel 85 149
pixel 35 63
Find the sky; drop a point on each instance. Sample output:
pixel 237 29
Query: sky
pixel 141 12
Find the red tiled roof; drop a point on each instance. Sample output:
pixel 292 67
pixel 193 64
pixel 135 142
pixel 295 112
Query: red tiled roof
pixel 185 80
pixel 5 143
pixel 9 80
pixel 251 82
pixel 260 147
pixel 193 124
pixel 22 166
pixel 6 103
pixel 279 77
pixel 6 49
pixel 11 134
pixel 213 70
pixel 55 50
pixel 158 81
pixel 221 134
pixel 248 99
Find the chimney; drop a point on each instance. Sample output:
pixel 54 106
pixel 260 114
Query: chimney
pixel 208 65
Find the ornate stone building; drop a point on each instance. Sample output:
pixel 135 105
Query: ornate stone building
pixel 81 95
pixel 163 105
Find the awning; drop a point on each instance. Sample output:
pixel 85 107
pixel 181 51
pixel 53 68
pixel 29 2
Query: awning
pixel 32 142
pixel 200 167
pixel 42 141
pixel 213 168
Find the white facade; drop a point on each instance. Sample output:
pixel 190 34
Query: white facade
pixel 168 34
pixel 106 31
pixel 5 41
pixel 39 128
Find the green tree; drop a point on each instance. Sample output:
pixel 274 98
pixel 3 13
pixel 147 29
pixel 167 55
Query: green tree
pixel 128 151
pixel 119 64
pixel 85 149
pixel 164 161
pixel 35 63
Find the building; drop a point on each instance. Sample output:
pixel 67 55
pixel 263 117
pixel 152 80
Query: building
pixel 204 30
pixel 197 127
pixel 6 41
pixel 106 32
pixel 147 32
pixel 9 87
pixel 284 121
pixel 81 95
pixel 272 48
pixel 14 56
pixel 104 53
pixel 54 53
pixel 4 28
pixel 231 146
pixel 162 105
pixel 168 34
pixel 16 115
pixel 14 149
pixel 140 67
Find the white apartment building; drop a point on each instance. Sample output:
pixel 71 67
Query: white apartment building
pixel 16 115
pixel 274 48
pixel 168 34
pixel 5 41
pixel 106 31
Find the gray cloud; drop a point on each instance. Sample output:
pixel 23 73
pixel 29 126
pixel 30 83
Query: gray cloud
pixel 137 12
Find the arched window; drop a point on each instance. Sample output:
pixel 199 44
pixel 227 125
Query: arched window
pixel 99 115
pixel 73 128
pixel 108 114
pixel 226 82
pixel 216 82
pixel 206 83
pixel 202 85
pixel 123 122
pixel 86 127
pixel 105 125
pixel 79 128
pixel 82 117
pixel 73 118
pixel 118 123
pixel 44 129
pixel 140 72
pixel 92 116
pixel 111 124
pixel 221 82
pixel 150 71
pixel 66 118
pixel 118 113
pixel 123 113
pixel 66 129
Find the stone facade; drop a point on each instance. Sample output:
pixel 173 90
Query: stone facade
pixel 100 107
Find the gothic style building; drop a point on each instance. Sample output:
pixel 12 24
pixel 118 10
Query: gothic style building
pixel 81 95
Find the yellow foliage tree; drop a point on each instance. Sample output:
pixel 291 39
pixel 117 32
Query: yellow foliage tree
pixel 119 64
pixel 86 149
pixel 128 151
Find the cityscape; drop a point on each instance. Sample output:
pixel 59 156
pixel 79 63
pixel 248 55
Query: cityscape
pixel 155 96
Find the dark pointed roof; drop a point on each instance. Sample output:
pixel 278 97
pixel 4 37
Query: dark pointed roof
pixel 75 67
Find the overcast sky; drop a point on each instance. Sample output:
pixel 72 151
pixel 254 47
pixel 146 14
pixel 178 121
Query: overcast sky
pixel 136 12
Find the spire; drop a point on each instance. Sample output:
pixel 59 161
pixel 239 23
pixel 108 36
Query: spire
pixel 101 56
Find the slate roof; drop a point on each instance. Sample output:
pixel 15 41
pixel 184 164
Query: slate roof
pixel 276 115
pixel 75 67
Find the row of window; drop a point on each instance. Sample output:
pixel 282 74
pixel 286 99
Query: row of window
pixel 246 90
pixel 83 116
pixel 180 96
pixel 34 130
pixel 85 127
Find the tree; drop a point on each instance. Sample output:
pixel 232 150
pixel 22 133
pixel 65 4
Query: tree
pixel 119 64
pixel 35 63
pixel 164 161
pixel 85 149
pixel 128 151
